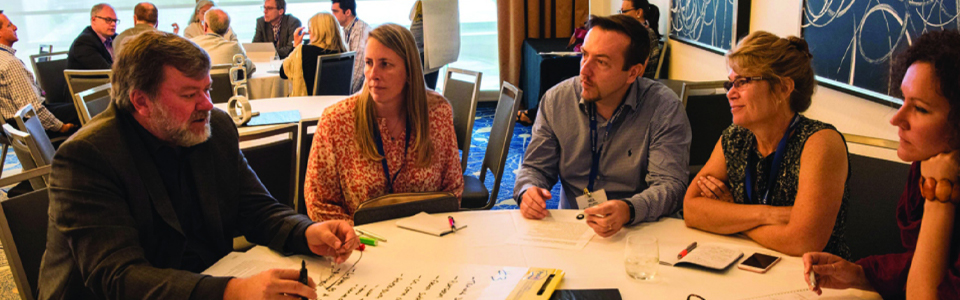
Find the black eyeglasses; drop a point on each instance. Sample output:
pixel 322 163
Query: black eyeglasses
pixel 108 20
pixel 694 297
pixel 267 7
pixel 740 81
pixel 623 11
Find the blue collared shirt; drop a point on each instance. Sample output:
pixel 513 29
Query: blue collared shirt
pixel 645 155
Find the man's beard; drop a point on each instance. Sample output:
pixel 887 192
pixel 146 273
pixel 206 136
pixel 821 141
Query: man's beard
pixel 179 134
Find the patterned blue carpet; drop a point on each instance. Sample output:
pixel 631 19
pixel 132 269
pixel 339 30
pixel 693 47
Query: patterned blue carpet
pixel 518 146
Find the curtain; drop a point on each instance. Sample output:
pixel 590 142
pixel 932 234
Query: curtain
pixel 521 19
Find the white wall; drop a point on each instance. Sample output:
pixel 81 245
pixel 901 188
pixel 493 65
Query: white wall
pixel 850 114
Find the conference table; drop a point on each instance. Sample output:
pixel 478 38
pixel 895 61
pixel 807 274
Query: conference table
pixel 598 265
pixel 310 107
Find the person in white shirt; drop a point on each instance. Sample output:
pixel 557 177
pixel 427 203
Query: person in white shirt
pixel 221 50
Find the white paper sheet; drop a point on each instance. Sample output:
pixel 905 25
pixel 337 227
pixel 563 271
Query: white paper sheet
pixel 550 233
pixel 441 33
pixel 355 280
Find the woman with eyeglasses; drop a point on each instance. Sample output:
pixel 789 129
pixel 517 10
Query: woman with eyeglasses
pixel 776 176
pixel 928 124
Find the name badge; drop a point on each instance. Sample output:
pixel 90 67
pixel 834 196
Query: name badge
pixel 589 200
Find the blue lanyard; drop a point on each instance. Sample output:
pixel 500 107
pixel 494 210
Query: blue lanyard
pixel 774 167
pixel 596 148
pixel 378 139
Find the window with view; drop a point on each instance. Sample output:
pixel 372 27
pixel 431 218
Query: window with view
pixel 58 22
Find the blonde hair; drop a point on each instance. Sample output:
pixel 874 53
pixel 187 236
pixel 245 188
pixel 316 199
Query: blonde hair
pixel 764 54
pixel 325 32
pixel 400 41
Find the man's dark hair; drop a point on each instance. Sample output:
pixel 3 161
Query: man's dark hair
pixel 281 4
pixel 147 12
pixel 941 49
pixel 139 65
pixel 639 47
pixel 347 5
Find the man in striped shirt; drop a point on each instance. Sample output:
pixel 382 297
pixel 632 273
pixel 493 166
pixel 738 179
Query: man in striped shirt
pixel 355 32
pixel 18 88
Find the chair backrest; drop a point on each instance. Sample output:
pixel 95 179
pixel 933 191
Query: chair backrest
pixel 392 206
pixel 22 142
pixel 709 114
pixel 82 80
pixel 28 122
pixel 272 153
pixel 875 186
pixel 221 88
pixel 307 129
pixel 334 74
pixel 463 96
pixel 664 45
pixel 49 72
pixel 91 102
pixel 23 232
pixel 498 145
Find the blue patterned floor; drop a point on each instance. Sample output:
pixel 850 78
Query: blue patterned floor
pixel 518 146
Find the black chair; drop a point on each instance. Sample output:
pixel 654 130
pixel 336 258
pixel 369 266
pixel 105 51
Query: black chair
pixel 463 96
pixel 709 113
pixel 221 89
pixel 92 102
pixel 475 194
pixel 334 74
pixel 875 186
pixel 393 206
pixel 307 129
pixel 272 154
pixel 49 72
pixel 23 232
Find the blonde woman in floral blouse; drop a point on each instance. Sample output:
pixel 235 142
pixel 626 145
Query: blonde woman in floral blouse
pixel 392 137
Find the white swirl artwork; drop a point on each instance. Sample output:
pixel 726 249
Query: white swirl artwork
pixel 854 41
pixel 705 22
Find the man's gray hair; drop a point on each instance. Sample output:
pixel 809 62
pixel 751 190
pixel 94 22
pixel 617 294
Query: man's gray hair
pixel 97 8
pixel 217 20
pixel 140 64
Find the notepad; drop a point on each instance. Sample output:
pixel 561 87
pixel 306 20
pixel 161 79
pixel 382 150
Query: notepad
pixel 711 256
pixel 799 294
pixel 276 117
pixel 429 224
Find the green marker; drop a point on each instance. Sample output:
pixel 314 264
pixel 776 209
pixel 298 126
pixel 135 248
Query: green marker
pixel 368 241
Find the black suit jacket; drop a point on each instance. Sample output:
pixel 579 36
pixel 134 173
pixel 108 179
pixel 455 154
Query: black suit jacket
pixel 113 232
pixel 288 26
pixel 88 53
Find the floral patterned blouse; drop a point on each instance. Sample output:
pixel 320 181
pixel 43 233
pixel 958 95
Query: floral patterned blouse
pixel 339 177
pixel 739 143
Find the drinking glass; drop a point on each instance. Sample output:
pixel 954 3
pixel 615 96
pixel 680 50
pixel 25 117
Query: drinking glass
pixel 641 257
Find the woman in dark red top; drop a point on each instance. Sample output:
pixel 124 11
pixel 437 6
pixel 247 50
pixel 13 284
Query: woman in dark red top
pixel 929 130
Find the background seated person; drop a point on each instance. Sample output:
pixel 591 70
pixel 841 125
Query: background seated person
pixel 195 28
pixel 392 137
pixel 153 190
pixel 774 175
pixel 928 124
pixel 325 38
pixel 221 50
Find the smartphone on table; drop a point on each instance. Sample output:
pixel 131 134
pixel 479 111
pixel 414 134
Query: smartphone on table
pixel 758 262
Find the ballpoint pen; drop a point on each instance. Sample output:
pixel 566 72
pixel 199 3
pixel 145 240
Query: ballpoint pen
pixel 370 234
pixel 303 275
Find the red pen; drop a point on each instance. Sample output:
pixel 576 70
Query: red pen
pixel 687 250
pixel 453 225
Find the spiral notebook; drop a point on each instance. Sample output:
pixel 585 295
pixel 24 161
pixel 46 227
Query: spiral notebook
pixel 799 294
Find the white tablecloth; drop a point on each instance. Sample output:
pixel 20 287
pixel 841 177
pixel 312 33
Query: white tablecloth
pixel 266 82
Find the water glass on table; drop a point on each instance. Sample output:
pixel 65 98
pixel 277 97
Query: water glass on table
pixel 642 256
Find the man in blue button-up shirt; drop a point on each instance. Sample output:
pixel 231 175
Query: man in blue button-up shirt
pixel 637 148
